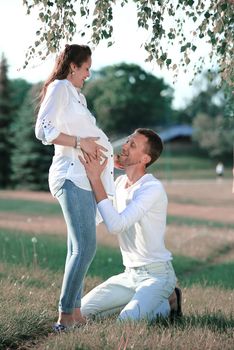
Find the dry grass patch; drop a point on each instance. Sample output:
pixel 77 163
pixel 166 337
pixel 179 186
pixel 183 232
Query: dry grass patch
pixel 203 192
pixel 207 324
pixel 29 299
pixel 28 195
pixel 199 242
pixel 108 335
pixel 200 300
pixel 36 224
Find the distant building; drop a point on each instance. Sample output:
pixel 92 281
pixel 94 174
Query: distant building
pixel 171 133
pixel 176 132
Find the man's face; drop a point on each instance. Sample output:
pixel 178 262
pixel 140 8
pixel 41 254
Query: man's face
pixel 133 150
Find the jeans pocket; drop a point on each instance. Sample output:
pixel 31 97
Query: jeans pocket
pixel 59 193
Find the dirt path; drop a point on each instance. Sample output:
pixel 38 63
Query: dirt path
pixel 210 213
pixel 28 195
pixel 32 223
pixel 54 225
pixel 213 202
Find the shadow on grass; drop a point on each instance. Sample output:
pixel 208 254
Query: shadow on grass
pixel 216 322
pixel 23 328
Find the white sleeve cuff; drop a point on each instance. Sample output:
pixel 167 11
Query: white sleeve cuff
pixel 51 135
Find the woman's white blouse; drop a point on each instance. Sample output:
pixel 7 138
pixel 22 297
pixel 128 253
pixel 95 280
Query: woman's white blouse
pixel 64 109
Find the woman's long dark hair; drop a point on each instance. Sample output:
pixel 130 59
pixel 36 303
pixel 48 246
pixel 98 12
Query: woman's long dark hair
pixel 77 54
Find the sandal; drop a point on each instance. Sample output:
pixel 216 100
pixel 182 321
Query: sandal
pixel 60 328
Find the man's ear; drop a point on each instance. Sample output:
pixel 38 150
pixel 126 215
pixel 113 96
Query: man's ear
pixel 146 159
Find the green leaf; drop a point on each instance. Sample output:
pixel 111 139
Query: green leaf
pixel 105 34
pixel 171 35
pixel 168 61
pixel 190 2
pixel 82 11
pixel 224 6
pixel 147 10
pixel 163 57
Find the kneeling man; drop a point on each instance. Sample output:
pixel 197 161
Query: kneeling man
pixel 138 218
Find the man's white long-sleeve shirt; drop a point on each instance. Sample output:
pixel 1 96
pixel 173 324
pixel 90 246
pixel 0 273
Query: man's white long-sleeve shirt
pixel 64 110
pixel 139 220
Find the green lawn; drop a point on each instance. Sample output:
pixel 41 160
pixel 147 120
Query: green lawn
pixel 48 252
pixel 21 206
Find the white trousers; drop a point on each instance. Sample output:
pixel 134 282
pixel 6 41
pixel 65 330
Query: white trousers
pixel 137 293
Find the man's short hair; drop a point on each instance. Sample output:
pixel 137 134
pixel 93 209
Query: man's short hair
pixel 154 144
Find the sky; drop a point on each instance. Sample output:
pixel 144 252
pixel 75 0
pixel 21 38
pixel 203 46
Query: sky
pixel 17 32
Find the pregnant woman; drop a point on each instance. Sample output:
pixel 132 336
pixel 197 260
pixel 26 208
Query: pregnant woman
pixel 65 121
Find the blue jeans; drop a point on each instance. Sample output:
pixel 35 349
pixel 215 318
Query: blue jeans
pixel 79 211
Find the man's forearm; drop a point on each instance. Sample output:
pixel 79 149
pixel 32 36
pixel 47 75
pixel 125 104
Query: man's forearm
pixel 98 189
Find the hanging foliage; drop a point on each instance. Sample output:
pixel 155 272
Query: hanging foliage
pixel 166 22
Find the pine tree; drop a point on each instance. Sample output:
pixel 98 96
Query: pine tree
pixel 30 158
pixel 5 122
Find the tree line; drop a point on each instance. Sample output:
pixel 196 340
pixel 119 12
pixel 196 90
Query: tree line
pixel 122 97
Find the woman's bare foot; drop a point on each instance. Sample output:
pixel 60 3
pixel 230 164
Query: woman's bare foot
pixel 66 319
pixel 78 317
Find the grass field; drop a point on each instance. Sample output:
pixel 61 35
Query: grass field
pixel 32 252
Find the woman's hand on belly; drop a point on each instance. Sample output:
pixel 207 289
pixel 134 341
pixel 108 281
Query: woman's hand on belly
pixel 92 148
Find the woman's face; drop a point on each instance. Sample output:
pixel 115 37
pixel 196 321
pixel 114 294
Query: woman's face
pixel 80 73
